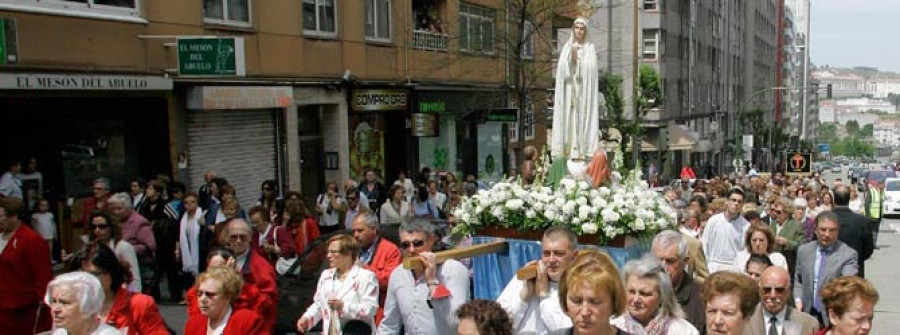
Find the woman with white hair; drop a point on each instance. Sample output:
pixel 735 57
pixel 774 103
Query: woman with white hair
pixel 576 122
pixel 650 301
pixel 75 301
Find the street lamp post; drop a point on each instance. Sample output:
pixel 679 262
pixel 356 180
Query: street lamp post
pixel 739 132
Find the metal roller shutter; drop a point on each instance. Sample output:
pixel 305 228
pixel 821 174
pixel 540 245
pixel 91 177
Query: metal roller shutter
pixel 238 144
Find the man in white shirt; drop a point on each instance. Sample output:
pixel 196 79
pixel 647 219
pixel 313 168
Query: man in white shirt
pixel 10 185
pixel 424 301
pixel 437 198
pixel 533 305
pixel 723 236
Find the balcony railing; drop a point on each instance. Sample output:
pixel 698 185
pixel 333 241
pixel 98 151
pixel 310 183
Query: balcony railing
pixel 426 40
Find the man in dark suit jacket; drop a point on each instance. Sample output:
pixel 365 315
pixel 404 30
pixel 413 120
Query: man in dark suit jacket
pixel 855 229
pixel 840 260
pixel 775 290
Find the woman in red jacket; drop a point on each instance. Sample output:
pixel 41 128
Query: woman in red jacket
pixel 217 289
pixel 131 313
pixel 249 296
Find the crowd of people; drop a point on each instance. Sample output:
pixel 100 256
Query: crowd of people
pixel 751 254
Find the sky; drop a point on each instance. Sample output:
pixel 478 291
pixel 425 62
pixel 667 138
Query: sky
pixel 847 33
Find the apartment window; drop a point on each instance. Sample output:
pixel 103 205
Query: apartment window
pixel 120 7
pixel 529 123
pixel 378 20
pixel 476 29
pixel 528 35
pixel 651 4
pixel 230 12
pixel 651 44
pixel 318 17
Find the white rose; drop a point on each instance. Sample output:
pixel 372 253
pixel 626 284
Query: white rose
pixel 581 201
pixel 514 204
pixel 559 202
pixel 589 228
pixel 531 214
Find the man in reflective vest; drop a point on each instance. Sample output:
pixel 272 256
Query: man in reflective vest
pixel 873 208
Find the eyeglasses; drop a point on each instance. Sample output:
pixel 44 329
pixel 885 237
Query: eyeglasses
pixel 777 289
pixel 416 243
pixel 242 237
pixel 100 226
pixel 330 251
pixel 211 295
pixel 777 212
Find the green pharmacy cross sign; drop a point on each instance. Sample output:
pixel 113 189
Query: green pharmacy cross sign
pixel 211 57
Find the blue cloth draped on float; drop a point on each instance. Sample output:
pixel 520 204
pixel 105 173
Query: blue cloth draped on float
pixel 492 272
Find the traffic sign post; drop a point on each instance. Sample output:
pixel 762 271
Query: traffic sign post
pixel 799 164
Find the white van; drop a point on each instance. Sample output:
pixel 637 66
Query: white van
pixel 891 196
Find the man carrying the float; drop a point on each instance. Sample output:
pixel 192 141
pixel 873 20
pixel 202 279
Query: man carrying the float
pixel 533 304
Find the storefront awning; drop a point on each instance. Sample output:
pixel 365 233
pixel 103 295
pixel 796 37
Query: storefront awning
pixel 679 139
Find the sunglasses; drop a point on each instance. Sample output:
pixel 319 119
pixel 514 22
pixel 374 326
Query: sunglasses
pixel 352 198
pixel 99 226
pixel 778 289
pixel 416 243
pixel 777 212
pixel 239 237
pixel 211 295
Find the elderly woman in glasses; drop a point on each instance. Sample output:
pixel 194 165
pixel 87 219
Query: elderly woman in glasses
pixel 346 296
pixel 132 313
pixel 104 231
pixel 217 289
pixel 650 301
pixel 75 301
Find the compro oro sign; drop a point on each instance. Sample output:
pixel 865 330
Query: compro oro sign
pixel 218 56
pixel 375 100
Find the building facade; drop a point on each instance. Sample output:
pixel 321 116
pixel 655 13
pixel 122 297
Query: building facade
pixel 297 92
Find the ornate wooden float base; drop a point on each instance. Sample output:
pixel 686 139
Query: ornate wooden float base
pixel 531 234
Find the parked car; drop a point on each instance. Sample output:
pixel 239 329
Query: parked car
pixel 836 169
pixel 891 197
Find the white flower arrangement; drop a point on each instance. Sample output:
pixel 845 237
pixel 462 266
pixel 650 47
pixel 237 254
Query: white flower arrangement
pixel 626 207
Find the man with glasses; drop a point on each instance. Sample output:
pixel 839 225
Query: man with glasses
pixel 723 236
pixel 424 301
pixel 353 207
pixel 788 232
pixel 24 273
pixel 255 269
pixel 533 304
pixel 773 316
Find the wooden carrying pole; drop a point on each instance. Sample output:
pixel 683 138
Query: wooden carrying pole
pixel 527 272
pixel 415 263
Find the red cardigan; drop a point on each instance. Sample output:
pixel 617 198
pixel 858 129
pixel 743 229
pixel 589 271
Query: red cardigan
pixel 259 272
pixel 387 257
pixel 25 272
pixel 138 312
pixel 241 322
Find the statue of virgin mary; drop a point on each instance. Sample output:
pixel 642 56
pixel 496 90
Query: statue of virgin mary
pixel 576 119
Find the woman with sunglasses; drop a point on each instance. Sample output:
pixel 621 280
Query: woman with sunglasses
pixel 247 299
pixel 217 289
pixel 131 313
pixel 650 301
pixel 346 297
pixel 105 232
